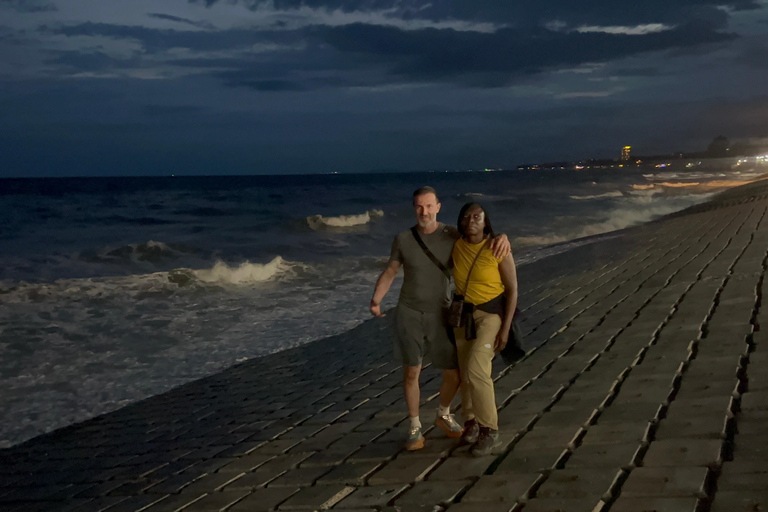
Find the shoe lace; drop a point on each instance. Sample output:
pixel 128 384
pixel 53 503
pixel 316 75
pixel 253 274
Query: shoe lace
pixel 414 431
pixel 449 419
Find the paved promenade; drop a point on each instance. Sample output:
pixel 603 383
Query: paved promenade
pixel 645 389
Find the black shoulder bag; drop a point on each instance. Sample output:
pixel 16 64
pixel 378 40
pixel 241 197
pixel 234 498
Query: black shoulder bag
pixel 429 254
pixel 456 312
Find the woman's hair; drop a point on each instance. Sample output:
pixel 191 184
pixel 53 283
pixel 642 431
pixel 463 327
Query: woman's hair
pixel 488 230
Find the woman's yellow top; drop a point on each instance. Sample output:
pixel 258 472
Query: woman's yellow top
pixel 485 283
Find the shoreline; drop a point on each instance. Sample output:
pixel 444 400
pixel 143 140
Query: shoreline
pixel 646 387
pixel 548 252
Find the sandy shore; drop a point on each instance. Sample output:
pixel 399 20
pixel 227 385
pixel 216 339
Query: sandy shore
pixel 644 389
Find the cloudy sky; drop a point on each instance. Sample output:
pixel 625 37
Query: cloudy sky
pixel 143 87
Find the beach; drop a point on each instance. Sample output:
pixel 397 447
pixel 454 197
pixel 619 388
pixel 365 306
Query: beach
pixel 644 389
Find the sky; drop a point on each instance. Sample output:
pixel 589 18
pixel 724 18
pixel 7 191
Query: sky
pixel 207 87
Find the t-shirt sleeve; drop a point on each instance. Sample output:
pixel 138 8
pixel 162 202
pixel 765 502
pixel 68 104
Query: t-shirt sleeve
pixel 453 231
pixel 397 253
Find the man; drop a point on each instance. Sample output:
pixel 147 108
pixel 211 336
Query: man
pixel 420 328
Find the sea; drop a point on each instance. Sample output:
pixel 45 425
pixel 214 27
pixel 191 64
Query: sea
pixel 116 289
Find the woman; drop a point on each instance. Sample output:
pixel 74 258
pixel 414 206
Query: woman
pixel 489 287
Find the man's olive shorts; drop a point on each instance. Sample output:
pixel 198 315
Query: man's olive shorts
pixel 423 335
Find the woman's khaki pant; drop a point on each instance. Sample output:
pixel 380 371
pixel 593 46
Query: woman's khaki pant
pixel 478 399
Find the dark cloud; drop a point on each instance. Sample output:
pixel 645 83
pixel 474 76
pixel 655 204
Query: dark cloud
pixel 78 62
pixel 639 72
pixel 525 12
pixel 373 55
pixel 495 59
pixel 28 6
pixel 185 21
pixel 158 40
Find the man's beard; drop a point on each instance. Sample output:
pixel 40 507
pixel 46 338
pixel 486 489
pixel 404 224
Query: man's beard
pixel 426 222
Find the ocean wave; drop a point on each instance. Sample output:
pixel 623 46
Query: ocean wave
pixel 615 193
pixel 148 252
pixel 619 219
pixel 244 273
pixel 318 222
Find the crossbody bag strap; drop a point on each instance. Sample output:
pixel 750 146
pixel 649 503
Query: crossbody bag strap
pixel 469 274
pixel 429 254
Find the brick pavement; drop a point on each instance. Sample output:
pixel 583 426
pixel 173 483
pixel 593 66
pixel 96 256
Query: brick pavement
pixel 644 389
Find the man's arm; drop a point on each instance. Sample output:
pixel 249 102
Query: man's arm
pixel 383 283
pixel 501 247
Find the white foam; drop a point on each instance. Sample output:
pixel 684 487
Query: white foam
pixel 244 273
pixel 319 222
pixel 618 219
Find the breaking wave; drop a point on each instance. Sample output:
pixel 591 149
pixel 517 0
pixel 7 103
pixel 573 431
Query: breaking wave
pixel 244 273
pixel 318 222
pixel 620 219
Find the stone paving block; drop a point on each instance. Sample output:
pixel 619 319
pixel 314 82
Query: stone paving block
pixel 751 448
pixel 530 461
pixel 216 501
pixel 754 400
pixel 134 503
pixel 683 452
pixel 263 499
pixel 666 482
pixel 617 433
pixel 276 446
pixel 502 488
pixel 438 446
pixel 316 498
pixel 212 482
pixel 480 507
pixel 625 504
pixel 741 476
pixel 406 468
pixel 175 502
pixel 586 504
pixel 246 463
pixel 741 501
pixel 327 458
pixel 512 419
pixel 577 483
pixel 616 455
pixel 300 477
pixel 376 452
pixel 349 473
pixel 712 426
pixel 564 436
pixel 700 406
pixel 630 394
pixel 355 440
pixel 371 496
pixel 564 417
pixel 751 422
pixel 640 412
pixel 432 492
pixel 461 468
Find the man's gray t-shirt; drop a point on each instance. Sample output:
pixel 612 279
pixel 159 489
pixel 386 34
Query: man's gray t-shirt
pixel 425 287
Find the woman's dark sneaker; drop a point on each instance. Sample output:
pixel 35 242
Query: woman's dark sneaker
pixel 471 431
pixel 487 442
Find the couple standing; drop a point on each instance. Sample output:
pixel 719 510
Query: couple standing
pixel 484 274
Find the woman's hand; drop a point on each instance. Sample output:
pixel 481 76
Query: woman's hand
pixel 501 340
